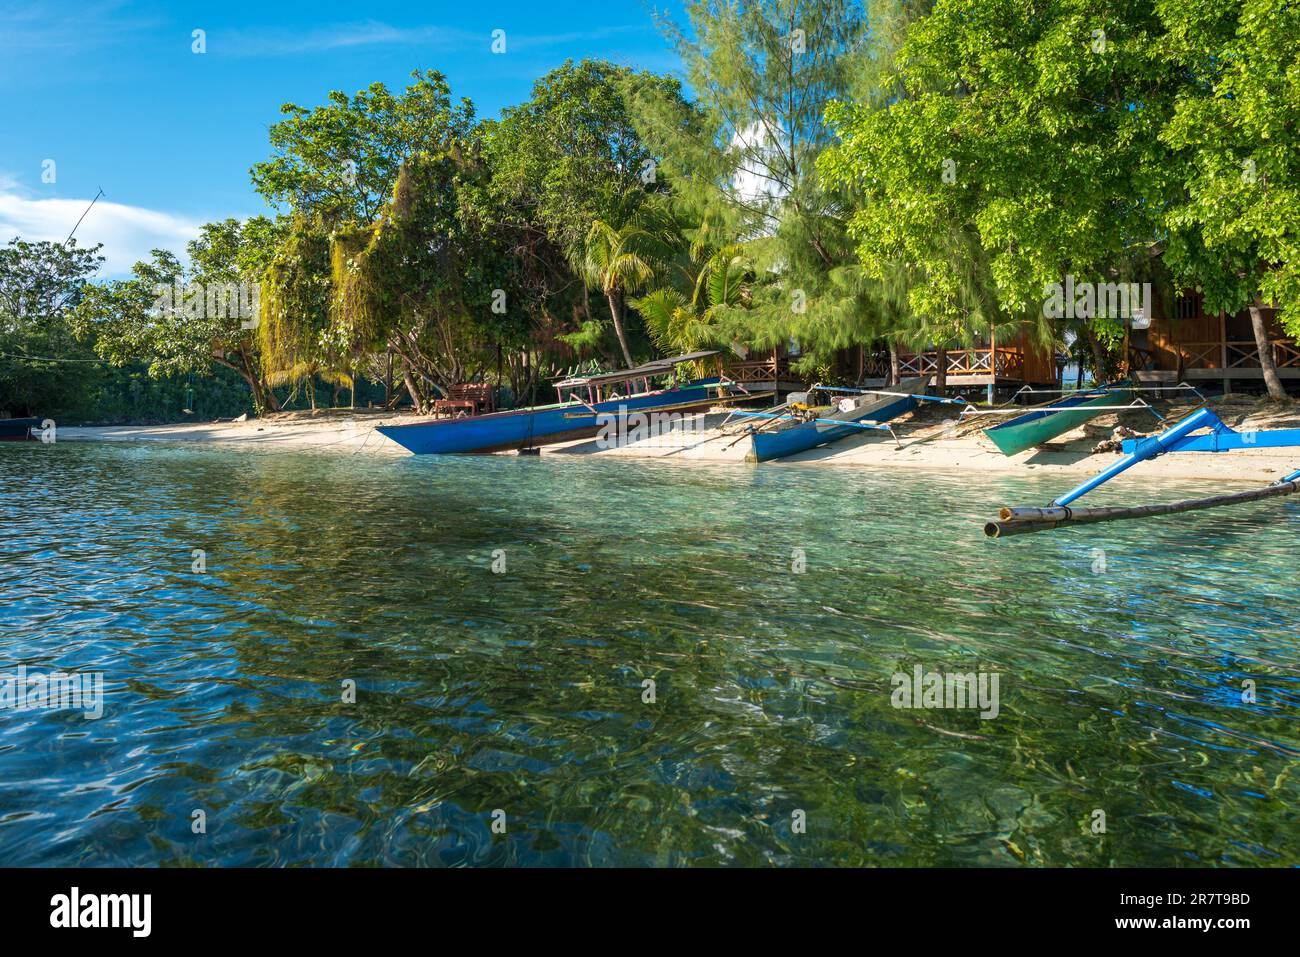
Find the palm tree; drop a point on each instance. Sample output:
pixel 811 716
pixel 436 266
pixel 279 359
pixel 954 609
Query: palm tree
pixel 626 252
pixel 677 323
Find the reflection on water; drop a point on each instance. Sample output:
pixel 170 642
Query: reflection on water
pixel 1121 650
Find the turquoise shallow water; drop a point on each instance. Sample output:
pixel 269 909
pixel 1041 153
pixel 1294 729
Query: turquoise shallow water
pixel 1121 653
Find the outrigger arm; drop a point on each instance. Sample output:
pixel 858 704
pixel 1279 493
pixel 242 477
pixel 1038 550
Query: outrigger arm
pixel 1178 438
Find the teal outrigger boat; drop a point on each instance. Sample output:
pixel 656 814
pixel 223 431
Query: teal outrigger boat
pixel 1042 425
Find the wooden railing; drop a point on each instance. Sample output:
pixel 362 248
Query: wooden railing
pixel 760 370
pixel 1140 359
pixel 1002 363
pixel 1237 355
pixel 875 366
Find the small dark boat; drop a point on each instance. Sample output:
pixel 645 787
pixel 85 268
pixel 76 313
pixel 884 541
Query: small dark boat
pixel 17 430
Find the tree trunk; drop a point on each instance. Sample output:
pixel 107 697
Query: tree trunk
pixel 1271 379
pixel 1098 354
pixel 941 372
pixel 616 310
pixel 895 369
pixel 263 398
pixel 416 399
pixel 268 400
pixel 1124 356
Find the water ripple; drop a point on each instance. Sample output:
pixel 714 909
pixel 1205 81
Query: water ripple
pixel 674 664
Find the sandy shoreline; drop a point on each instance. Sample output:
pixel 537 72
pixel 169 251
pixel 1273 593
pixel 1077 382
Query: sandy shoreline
pixel 349 432
pixel 926 440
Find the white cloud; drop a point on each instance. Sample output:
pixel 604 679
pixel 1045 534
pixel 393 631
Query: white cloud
pixel 127 232
pixel 759 150
pixel 283 41
pixel 270 42
pixel 34 29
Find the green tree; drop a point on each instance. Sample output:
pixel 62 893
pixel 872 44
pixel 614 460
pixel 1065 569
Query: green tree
pixel 567 158
pixel 1234 139
pixel 430 280
pixel 743 158
pixel 41 284
pixel 570 153
pixel 178 321
pixel 293 331
pixel 628 252
pixel 1022 145
pixel 340 160
pixel 679 322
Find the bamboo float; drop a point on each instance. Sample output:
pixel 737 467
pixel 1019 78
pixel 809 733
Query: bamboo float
pixel 1022 521
pixel 902 395
pixel 820 421
pixel 749 430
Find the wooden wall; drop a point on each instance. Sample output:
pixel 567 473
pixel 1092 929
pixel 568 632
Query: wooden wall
pixel 1040 361
pixel 1187 322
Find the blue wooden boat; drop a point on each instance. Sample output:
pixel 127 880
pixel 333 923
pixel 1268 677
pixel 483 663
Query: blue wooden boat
pixel 794 436
pixel 542 425
pixel 17 430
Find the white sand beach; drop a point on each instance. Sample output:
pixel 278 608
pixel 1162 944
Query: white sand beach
pixel 926 439
pixel 334 430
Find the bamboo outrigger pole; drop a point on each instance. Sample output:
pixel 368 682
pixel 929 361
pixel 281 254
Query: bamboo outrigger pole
pixel 1021 521
pixel 1177 438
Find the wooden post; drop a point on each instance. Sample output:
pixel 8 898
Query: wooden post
pixel 776 378
pixel 993 362
pixel 388 381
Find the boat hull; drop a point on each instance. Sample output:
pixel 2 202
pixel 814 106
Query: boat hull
pixel 1043 425
pixel 17 430
pixel 780 443
pixel 526 428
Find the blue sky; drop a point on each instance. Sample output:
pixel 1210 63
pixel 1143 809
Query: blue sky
pixel 113 94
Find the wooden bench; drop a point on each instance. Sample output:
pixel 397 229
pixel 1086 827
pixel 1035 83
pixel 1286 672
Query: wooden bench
pixel 467 398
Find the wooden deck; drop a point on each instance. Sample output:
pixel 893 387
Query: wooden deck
pixel 1237 359
pixel 1000 366
pixel 764 375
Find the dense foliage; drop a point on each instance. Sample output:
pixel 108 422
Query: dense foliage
pixel 894 174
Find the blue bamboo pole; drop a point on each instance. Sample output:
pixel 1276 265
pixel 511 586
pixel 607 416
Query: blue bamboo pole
pixel 1146 449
